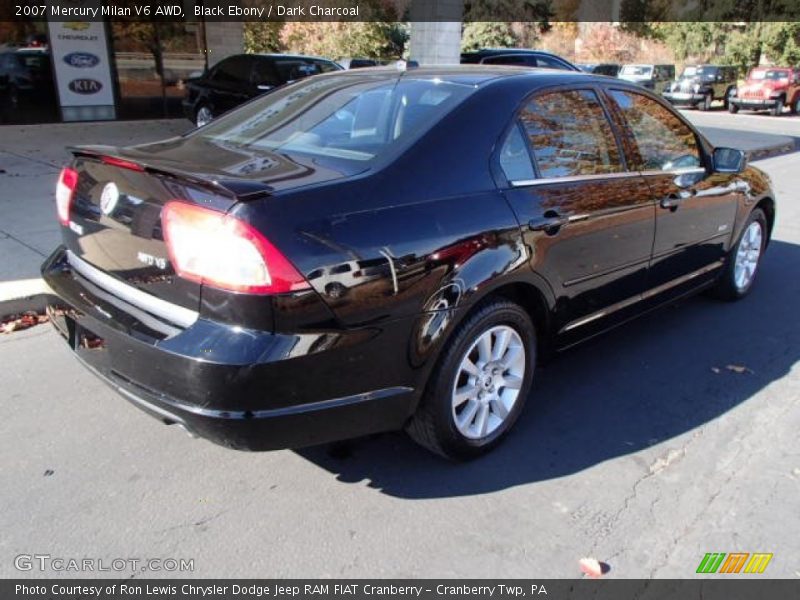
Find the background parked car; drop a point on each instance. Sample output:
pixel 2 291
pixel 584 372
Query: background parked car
pixel 652 77
pixel 699 85
pixel 357 63
pixel 520 57
pixel 609 69
pixel 239 78
pixel 25 77
pixel 768 88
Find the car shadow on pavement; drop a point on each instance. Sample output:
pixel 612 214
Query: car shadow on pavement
pixel 649 381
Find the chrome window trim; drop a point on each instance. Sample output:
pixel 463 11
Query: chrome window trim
pixel 578 178
pixel 168 311
pixel 683 171
pixel 572 178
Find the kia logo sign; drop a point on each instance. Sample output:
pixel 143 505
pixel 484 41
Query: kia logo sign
pixel 85 86
pixel 81 60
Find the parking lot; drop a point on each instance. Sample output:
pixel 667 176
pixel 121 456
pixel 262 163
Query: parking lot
pixel 646 448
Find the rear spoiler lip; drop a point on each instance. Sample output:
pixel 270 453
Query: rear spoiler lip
pixel 234 189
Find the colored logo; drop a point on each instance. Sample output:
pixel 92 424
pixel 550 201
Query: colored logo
pixel 109 198
pixel 85 86
pixel 76 25
pixel 735 562
pixel 81 60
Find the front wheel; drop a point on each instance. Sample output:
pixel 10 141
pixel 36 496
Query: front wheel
pixel 480 385
pixel 796 106
pixel 744 259
pixel 777 109
pixel 732 108
pixel 706 103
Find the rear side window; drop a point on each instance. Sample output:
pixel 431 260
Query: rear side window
pixel 664 141
pixel 570 135
pixel 511 60
pixel 514 158
pixel 545 62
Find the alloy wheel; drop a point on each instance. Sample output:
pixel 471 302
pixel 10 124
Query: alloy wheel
pixel 488 382
pixel 747 256
pixel 204 116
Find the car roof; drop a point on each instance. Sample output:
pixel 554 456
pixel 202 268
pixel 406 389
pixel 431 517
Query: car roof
pixel 478 75
pixel 295 56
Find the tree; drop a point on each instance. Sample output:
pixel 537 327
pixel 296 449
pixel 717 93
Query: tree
pixel 487 34
pixel 374 39
pixel 262 36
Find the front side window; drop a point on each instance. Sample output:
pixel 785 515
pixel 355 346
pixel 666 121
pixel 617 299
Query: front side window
pixel 570 135
pixel 664 141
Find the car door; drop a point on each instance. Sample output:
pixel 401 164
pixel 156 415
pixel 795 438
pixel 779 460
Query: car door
pixel 696 208
pixel 587 220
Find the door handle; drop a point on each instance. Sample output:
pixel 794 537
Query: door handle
pixel 550 224
pixel 673 201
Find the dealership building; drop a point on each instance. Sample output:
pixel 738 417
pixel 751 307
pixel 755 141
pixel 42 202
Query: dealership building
pixel 73 70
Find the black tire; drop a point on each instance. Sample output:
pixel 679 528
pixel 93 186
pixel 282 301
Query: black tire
pixel 706 103
pixel 732 108
pixel 433 425
pixel 777 110
pixel 796 106
pixel 726 288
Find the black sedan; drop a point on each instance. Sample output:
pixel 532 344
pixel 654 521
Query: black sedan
pixel 239 78
pixel 374 250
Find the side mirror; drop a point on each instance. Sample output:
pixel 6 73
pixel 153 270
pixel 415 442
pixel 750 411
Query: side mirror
pixel 729 160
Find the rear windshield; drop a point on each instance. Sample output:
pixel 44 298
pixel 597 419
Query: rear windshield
pixel 702 72
pixel 637 70
pixel 771 74
pixel 346 117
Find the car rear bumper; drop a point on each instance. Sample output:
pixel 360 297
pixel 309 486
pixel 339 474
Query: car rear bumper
pixel 244 402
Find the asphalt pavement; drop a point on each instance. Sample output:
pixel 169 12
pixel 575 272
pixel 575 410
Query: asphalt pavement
pixel 646 448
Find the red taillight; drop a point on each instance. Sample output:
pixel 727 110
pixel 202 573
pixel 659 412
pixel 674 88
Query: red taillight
pixel 67 182
pixel 213 248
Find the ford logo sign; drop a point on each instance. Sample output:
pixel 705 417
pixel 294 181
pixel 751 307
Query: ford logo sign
pixel 85 86
pixel 81 60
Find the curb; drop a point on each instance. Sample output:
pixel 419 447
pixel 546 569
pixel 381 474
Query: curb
pixel 17 297
pixel 774 150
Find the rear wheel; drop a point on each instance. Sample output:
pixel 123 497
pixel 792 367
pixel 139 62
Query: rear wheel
pixel 732 108
pixel 706 103
pixel 478 389
pixel 777 109
pixel 744 259
pixel 796 106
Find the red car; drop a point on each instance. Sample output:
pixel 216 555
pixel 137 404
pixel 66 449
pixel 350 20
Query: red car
pixel 768 88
